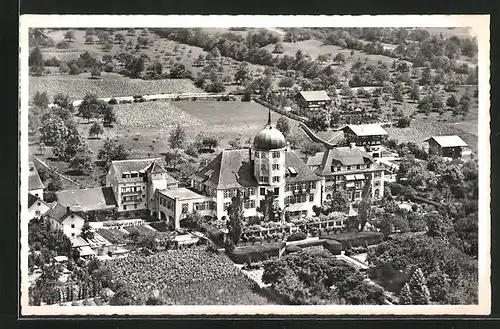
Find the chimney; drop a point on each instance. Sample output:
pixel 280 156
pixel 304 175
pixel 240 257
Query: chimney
pixel 68 210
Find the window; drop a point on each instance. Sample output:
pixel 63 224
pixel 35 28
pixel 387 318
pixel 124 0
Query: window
pixel 358 167
pixel 262 191
pixel 276 155
pixel 377 193
pixel 247 204
pixel 264 179
pixel 262 167
pixel 135 206
pixel 72 225
pixel 377 183
pixel 263 155
pixel 256 154
pixel 276 191
pixel 311 197
pixel 276 179
pixel 184 208
pixel 39 204
pixel 252 203
pixel 124 207
pixel 287 187
pixel 72 234
pixel 287 200
pixel 303 198
pixel 276 166
pixel 226 205
pixel 358 195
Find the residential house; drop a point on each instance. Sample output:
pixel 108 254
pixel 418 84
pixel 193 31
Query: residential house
pixel 351 170
pixel 313 100
pixel 35 185
pixel 63 218
pixel 134 183
pixel 367 136
pixel 36 207
pixel 448 147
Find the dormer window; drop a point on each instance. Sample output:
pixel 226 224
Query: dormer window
pixel 262 167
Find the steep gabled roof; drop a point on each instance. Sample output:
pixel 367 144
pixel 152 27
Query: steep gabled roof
pixel 448 141
pixel 315 160
pixel 315 95
pixel 346 156
pixel 229 169
pixel 32 199
pixel 152 165
pixel 372 129
pixel 303 173
pixel 34 181
pixel 60 212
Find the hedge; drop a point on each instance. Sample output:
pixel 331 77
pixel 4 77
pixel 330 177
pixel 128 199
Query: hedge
pixel 256 252
pixel 310 243
pixel 333 246
pixel 297 236
pixel 292 248
pixel 356 239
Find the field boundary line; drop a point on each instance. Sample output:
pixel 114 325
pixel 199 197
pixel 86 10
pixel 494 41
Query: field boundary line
pixel 57 173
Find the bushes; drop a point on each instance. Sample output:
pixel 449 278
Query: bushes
pixel 332 246
pixel 256 252
pixel 113 101
pixel 355 239
pixel 297 236
pixel 292 248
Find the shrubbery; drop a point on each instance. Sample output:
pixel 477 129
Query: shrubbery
pixel 258 252
pixel 355 239
pixel 296 236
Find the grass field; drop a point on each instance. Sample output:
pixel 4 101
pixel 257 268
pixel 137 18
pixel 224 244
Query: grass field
pixel 110 85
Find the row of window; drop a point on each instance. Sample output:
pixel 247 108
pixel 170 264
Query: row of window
pixel 354 167
pixel 274 166
pixel 132 198
pixel 265 179
pixel 299 198
pixel 300 186
pixel 206 205
pixel 262 155
pixel 130 207
pixel 132 189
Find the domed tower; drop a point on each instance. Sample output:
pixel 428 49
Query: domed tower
pixel 269 159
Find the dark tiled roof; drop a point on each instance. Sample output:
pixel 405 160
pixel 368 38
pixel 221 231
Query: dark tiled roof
pixel 232 169
pixel 346 156
pixel 34 181
pixel 31 199
pixel 152 165
pixel 88 199
pixel 58 212
pixel 303 172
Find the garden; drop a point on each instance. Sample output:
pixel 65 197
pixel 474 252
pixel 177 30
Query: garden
pixel 192 276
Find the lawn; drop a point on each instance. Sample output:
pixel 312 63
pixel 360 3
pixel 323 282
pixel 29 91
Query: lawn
pixel 110 85
pixel 186 277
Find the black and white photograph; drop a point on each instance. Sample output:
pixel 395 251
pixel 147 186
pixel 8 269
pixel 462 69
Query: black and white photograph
pixel 254 165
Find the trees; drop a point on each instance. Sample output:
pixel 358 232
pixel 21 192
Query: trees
pixel 179 71
pixel 235 214
pixel 210 142
pixel 405 295
pixel 286 82
pixel 415 93
pixel 340 58
pixel 69 35
pixel 35 62
pixel 41 100
pixel 403 122
pixel 398 95
pixel 52 130
pixel 452 101
pixel 177 137
pixel 242 74
pixel 112 150
pixel 318 121
pixel 96 129
pixel 63 101
pixel 283 125
pixel 339 201
pixel 108 114
pixel 90 107
pixel 418 288
pixel 364 213
pixel 278 48
pixel 95 73
pixel 69 145
pixel 82 162
pixel 439 226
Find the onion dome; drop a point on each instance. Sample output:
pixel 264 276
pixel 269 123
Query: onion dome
pixel 269 138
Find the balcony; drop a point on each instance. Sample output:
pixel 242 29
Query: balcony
pixel 132 192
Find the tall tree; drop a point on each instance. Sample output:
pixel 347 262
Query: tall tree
pixel 235 214
pixel 283 125
pixel 419 292
pixel 112 150
pixel 177 137
pixel 41 100
pixel 82 162
pixel 405 295
pixel 96 129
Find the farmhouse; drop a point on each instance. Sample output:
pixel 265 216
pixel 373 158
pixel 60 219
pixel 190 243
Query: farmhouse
pixel 134 183
pixel 63 218
pixel 351 170
pixel 269 167
pixel 312 100
pixel 448 147
pixel 368 136
pixel 35 185
pixel 36 207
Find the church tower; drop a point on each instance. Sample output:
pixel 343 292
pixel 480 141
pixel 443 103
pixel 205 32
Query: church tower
pixel 269 149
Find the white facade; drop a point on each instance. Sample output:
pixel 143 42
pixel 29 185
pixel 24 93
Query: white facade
pixel 37 209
